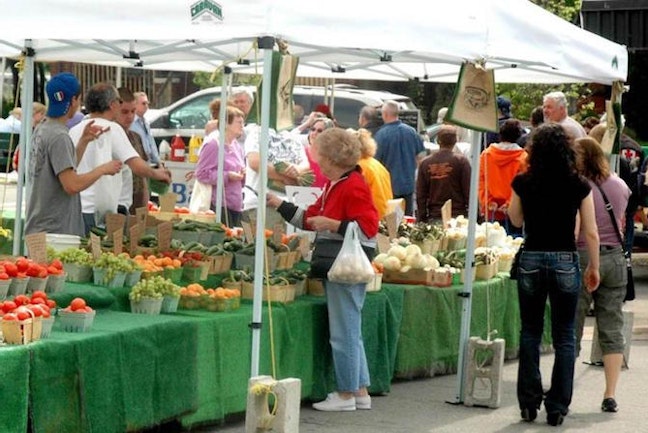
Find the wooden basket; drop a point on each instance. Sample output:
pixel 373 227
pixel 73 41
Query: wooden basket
pixel 486 272
pixel 22 331
pixel 220 264
pixel 276 293
pixel 315 287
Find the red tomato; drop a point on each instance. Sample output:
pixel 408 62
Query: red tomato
pixel 53 270
pixel 46 314
pixel 57 264
pixel 38 301
pixel 11 269
pixel 21 300
pixel 36 309
pixel 42 272
pixel 39 294
pixel 9 306
pixel 22 264
pixel 77 304
pixel 10 316
pixel 23 313
pixel 4 276
pixel 87 309
pixel 51 303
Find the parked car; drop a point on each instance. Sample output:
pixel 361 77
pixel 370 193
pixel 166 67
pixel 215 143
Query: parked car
pixel 189 115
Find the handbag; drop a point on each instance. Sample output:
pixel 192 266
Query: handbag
pixel 201 196
pixel 351 266
pixel 630 289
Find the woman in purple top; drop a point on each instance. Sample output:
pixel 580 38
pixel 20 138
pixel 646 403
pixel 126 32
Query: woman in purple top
pixel 608 297
pixel 233 168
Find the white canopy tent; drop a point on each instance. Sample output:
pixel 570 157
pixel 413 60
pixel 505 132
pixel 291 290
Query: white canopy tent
pixel 426 41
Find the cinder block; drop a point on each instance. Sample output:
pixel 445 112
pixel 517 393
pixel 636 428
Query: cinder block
pixel 258 414
pixel 596 356
pixel 483 379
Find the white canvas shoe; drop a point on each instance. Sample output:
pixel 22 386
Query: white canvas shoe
pixel 363 402
pixel 335 403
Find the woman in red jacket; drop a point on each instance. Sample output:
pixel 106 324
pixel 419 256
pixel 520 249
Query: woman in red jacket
pixel 346 198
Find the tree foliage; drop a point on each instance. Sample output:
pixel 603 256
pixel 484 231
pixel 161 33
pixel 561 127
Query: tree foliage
pixel 211 79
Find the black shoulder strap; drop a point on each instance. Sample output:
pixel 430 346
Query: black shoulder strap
pixel 609 208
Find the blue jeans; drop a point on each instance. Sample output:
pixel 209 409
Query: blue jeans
pixel 556 275
pixel 344 304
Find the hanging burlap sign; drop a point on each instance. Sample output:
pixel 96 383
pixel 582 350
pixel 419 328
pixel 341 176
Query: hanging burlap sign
pixel 284 69
pixel 473 104
pixel 611 139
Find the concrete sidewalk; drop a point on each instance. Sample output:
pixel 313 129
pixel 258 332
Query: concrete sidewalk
pixel 420 406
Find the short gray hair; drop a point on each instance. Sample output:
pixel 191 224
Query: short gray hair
pixel 100 96
pixel 391 107
pixel 240 91
pixel 559 97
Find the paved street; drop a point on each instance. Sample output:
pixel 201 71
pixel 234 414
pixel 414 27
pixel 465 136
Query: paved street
pixel 420 406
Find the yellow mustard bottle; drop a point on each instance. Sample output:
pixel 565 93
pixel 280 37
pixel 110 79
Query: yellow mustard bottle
pixel 194 145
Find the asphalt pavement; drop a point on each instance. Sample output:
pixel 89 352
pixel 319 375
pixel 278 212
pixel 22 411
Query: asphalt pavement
pixel 421 406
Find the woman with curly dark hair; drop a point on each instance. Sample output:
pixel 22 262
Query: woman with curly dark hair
pixel 608 297
pixel 546 199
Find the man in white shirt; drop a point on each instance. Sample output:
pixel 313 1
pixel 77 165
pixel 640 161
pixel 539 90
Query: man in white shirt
pixel 554 108
pixel 103 103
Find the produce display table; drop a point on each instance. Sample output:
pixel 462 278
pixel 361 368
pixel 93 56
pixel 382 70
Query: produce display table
pixel 429 336
pixel 223 346
pixel 118 377
pixel 132 371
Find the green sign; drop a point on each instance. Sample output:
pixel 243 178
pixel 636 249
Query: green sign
pixel 206 10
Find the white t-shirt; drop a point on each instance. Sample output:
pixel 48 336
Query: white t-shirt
pixel 281 147
pixel 103 195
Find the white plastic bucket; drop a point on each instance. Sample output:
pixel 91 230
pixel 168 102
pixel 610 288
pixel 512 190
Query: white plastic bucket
pixel 62 242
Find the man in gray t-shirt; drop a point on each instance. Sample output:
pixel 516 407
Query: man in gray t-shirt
pixel 54 204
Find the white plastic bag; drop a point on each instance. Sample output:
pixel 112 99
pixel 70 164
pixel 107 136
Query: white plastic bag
pixel 351 266
pixel 201 196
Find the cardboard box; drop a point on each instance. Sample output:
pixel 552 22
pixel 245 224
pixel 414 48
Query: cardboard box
pixel 413 276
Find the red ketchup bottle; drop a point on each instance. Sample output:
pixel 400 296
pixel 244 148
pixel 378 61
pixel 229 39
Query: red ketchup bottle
pixel 178 149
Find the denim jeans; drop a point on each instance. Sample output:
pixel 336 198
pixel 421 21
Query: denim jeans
pixel 555 275
pixel 344 302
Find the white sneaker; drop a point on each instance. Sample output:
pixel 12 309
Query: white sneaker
pixel 335 403
pixel 363 402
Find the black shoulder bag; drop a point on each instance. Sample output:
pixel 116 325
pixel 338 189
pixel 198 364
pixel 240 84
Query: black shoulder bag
pixel 630 290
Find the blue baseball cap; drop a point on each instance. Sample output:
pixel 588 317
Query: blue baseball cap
pixel 60 90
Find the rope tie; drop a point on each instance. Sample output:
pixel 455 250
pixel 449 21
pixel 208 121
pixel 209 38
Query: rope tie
pixel 267 419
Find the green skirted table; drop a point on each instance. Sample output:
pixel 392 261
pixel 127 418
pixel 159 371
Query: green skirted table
pixel 133 371
pixel 119 377
pixel 300 329
pixel 430 331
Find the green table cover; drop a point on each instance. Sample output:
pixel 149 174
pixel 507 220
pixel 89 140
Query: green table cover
pixel 133 371
pixel 117 377
pixel 430 330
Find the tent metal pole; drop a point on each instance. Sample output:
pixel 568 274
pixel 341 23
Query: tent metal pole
pixel 25 137
pixel 466 293
pixel 3 68
pixel 265 43
pixel 222 122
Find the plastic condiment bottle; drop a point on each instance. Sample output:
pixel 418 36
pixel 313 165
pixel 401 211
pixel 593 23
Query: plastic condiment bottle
pixel 194 147
pixel 177 149
pixel 165 150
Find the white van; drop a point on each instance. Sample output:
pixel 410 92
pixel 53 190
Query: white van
pixel 189 115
